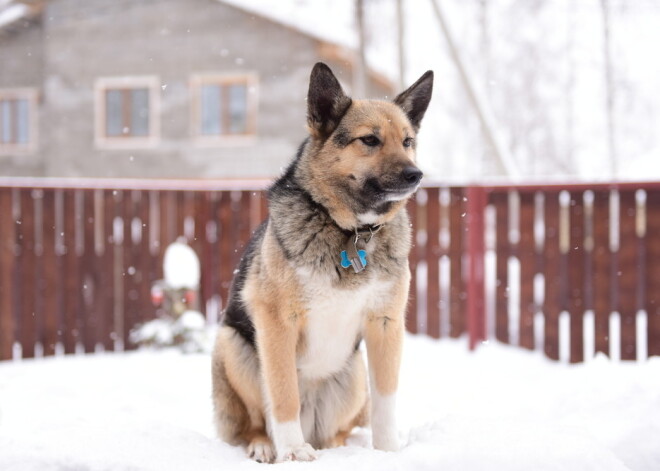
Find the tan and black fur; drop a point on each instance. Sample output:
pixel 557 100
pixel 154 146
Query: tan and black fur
pixel 288 374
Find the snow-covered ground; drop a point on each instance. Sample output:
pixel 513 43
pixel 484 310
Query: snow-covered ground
pixel 498 409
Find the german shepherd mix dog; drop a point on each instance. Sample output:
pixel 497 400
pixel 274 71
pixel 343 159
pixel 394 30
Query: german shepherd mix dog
pixel 327 269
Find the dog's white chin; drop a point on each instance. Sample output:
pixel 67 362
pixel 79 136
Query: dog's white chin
pixel 398 196
pixel 368 218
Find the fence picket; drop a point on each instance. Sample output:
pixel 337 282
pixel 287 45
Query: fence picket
pixel 526 251
pixel 653 270
pixel 601 269
pixel 552 305
pixel 457 214
pixel 134 271
pixel 242 218
pixel 575 276
pixel 433 253
pixel 627 274
pixel 70 273
pixel 225 261
pixel 105 291
pixel 89 274
pixel 211 278
pixel 500 200
pixel 475 281
pixel 144 262
pixel 27 264
pixel 7 264
pixel 50 285
pixel 203 247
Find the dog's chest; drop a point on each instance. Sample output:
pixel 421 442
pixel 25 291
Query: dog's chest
pixel 335 318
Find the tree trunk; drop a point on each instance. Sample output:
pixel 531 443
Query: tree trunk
pixel 609 89
pixel 360 69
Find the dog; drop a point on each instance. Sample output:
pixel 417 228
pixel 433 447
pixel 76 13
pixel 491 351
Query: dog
pixel 327 270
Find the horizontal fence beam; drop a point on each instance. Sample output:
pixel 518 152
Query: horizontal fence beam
pixel 255 184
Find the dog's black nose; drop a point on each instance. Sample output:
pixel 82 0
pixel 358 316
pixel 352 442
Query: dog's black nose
pixel 411 175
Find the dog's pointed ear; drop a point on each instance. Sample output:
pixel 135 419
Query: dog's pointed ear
pixel 326 102
pixel 416 98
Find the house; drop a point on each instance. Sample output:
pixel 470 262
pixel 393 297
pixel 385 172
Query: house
pixel 155 88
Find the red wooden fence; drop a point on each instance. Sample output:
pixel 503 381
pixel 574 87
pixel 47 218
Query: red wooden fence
pixel 572 270
pixel 569 270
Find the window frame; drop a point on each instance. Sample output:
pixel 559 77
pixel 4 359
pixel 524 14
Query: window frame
pixel 197 81
pixel 101 86
pixel 31 96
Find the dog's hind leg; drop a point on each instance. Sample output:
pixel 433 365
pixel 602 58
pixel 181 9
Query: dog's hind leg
pixel 345 404
pixel 237 396
pixel 360 420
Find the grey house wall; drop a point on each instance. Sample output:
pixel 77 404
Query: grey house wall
pixel 78 41
pixel 22 65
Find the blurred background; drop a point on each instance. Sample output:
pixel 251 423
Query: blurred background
pixel 525 90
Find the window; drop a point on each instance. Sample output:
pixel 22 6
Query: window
pixel 224 107
pixel 17 120
pixel 127 112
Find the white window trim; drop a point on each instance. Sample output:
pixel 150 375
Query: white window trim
pixel 31 95
pixel 225 140
pixel 152 83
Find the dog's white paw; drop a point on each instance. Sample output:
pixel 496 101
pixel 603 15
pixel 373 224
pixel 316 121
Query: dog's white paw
pixel 304 452
pixel 261 451
pixel 386 441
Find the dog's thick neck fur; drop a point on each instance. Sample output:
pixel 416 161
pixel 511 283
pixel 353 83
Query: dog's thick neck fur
pixel 293 208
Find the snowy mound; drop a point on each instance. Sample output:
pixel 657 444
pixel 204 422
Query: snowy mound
pixel 181 266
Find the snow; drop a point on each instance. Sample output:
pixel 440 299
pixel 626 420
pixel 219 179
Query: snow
pixel 499 408
pixel 12 13
pixel 181 266
pixel 303 15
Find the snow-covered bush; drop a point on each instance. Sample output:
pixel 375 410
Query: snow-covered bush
pixel 189 332
pixel 176 297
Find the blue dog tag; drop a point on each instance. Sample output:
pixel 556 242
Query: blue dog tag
pixel 357 259
pixel 354 257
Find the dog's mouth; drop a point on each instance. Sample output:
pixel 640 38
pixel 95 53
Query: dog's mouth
pixel 392 187
pixel 398 195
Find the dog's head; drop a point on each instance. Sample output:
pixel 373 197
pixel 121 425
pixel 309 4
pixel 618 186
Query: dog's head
pixel 361 154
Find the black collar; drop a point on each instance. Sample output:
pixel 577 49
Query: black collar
pixel 365 232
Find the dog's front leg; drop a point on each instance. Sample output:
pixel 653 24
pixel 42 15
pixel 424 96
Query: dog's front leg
pixel 384 339
pixel 277 340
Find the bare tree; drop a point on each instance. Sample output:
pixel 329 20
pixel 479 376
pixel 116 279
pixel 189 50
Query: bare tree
pixel 506 165
pixel 360 69
pixel 401 31
pixel 609 88
pixel 485 57
pixel 565 164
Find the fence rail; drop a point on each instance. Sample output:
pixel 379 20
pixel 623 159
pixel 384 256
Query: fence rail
pixel 568 270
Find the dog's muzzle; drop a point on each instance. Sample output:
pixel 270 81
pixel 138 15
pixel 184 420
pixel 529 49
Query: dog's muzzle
pixel 406 184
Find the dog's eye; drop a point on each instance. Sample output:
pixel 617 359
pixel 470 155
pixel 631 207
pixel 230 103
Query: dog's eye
pixel 370 140
pixel 408 141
